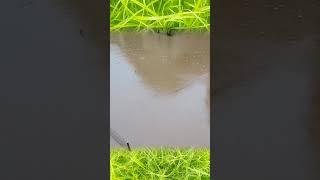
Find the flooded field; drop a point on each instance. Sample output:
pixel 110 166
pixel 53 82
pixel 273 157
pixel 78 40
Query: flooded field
pixel 159 89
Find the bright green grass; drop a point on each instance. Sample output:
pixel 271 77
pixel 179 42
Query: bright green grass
pixel 162 163
pixel 162 15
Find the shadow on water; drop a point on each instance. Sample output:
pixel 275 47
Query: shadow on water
pixel 53 89
pixel 161 84
pixel 166 64
pixel 266 90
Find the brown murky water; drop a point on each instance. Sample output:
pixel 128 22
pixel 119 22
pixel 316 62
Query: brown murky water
pixel 159 89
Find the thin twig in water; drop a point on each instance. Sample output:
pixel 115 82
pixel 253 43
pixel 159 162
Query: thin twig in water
pixel 119 139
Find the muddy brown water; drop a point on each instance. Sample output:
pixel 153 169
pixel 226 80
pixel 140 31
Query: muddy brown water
pixel 266 112
pixel 159 89
pixel 53 90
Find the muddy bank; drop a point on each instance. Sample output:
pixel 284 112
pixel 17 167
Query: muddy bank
pixel 159 88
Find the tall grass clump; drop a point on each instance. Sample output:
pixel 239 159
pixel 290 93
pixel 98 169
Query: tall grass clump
pixel 159 15
pixel 162 163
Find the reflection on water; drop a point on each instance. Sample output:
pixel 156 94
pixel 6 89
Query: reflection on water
pixel 160 88
pixel 166 63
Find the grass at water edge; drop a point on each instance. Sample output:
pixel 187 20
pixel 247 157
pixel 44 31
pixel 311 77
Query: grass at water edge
pixel 160 163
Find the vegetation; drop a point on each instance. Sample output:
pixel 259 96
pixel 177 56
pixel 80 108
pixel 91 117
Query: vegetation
pixel 159 15
pixel 161 163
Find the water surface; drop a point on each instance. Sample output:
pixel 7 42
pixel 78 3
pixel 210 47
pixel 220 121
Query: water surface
pixel 159 89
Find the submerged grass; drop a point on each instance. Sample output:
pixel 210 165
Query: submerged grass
pixel 159 15
pixel 162 163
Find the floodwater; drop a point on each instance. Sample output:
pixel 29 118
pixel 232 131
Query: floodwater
pixel 53 89
pixel 159 89
pixel 266 100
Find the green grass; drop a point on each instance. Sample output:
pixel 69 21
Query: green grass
pixel 161 163
pixel 159 15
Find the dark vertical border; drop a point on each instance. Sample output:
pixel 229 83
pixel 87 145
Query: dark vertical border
pixel 263 54
pixel 107 41
pixel 212 142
